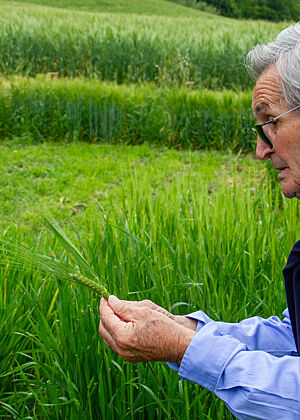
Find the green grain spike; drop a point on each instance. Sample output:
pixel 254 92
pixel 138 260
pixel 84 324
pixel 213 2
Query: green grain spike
pixel 90 284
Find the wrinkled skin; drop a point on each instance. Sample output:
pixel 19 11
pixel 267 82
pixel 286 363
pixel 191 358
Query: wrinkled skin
pixel 268 103
pixel 149 333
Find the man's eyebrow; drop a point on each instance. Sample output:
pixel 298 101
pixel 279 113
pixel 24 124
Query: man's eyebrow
pixel 261 107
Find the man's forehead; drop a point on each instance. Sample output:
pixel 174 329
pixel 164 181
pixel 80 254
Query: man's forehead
pixel 267 94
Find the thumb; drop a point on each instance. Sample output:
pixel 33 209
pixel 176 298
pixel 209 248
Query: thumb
pixel 122 309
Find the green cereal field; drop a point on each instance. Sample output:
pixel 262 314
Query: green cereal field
pixel 129 124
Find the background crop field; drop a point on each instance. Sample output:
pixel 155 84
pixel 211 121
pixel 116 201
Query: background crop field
pixel 202 48
pixel 69 110
pixel 187 228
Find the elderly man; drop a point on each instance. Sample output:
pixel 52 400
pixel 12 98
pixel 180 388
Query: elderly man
pixel 253 366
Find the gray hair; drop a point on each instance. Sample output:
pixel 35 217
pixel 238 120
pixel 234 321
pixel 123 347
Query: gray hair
pixel 284 52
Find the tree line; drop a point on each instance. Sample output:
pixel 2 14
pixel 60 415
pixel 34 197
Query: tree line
pixel 275 10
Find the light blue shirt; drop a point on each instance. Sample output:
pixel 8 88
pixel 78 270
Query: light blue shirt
pixel 250 365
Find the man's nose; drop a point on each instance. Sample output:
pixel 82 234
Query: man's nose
pixel 263 150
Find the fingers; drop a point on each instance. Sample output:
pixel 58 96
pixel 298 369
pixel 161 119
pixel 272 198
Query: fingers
pixel 123 310
pixel 112 328
pixel 127 309
pixel 108 318
pixel 120 343
pixel 117 334
pixel 146 302
pixel 106 342
pixel 107 338
pixel 150 336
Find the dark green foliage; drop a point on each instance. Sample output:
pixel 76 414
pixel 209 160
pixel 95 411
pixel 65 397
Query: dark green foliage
pixel 77 110
pixel 275 10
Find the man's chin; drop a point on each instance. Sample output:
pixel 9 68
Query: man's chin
pixel 288 193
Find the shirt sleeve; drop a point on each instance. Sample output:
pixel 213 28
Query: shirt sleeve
pixel 253 384
pixel 270 335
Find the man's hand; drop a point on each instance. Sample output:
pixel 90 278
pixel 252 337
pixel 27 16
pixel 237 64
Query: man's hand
pixel 142 332
pixel 186 322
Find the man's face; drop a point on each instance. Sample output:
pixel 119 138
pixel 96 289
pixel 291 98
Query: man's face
pixel 284 133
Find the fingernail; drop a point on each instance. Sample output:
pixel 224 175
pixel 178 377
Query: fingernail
pixel 113 300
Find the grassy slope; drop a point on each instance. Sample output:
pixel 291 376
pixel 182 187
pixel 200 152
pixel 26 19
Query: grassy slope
pixel 71 180
pixel 145 7
pixel 156 8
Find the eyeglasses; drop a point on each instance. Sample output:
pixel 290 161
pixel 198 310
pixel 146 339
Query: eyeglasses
pixel 261 133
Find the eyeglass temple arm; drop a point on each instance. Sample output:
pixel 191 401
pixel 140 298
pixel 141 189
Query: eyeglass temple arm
pixel 281 115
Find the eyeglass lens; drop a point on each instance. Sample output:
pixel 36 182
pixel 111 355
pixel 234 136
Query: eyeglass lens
pixel 259 131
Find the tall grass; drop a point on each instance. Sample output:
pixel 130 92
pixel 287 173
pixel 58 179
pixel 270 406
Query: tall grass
pixel 206 50
pixel 219 247
pixel 94 111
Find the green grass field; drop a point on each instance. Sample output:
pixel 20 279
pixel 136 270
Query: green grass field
pixel 74 180
pixel 197 47
pixel 210 222
pixel 111 149
pixel 210 227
